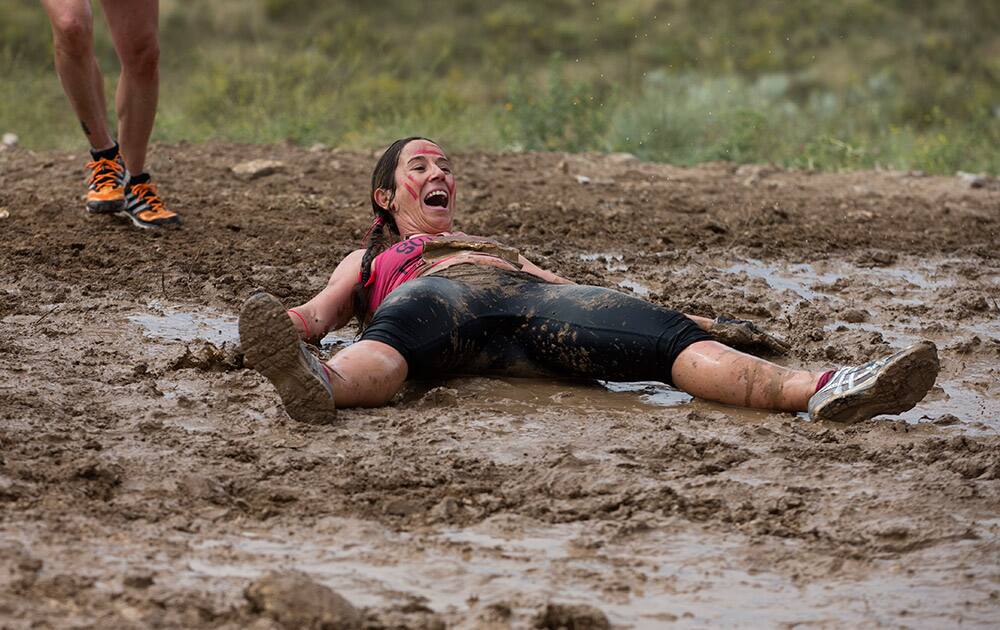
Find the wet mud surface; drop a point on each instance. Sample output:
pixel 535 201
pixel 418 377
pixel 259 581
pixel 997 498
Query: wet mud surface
pixel 148 480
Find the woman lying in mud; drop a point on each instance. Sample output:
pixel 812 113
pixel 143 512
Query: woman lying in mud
pixel 432 302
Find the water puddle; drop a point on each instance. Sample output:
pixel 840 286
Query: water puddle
pixel 550 543
pixel 612 262
pixel 690 578
pixel 173 324
pixel 893 338
pixel 798 278
pixel 184 326
pixel 524 395
pixel 638 289
pixel 972 395
pixel 807 280
pixel 650 392
pixel 966 396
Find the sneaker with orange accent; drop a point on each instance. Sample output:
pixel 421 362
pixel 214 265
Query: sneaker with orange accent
pixel 106 185
pixel 144 206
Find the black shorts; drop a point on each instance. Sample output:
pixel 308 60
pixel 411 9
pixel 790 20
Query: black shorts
pixel 473 319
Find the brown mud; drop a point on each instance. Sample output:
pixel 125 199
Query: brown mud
pixel 148 480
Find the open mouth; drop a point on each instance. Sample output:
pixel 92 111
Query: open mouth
pixel 437 199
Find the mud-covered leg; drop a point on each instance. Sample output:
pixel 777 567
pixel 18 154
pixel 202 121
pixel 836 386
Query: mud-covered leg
pixel 710 370
pixel 367 374
pixel 889 385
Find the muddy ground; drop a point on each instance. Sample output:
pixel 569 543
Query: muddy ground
pixel 147 478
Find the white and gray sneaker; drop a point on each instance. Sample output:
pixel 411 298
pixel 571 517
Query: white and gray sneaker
pixel 271 345
pixel 889 385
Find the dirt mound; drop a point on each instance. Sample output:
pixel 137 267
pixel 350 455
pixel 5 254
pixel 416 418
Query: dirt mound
pixel 147 478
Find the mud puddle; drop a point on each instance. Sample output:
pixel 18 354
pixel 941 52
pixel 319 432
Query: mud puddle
pixel 886 296
pixel 971 399
pixel 640 580
pixel 613 263
pixel 187 326
pixel 795 278
pixel 146 476
pixel 812 281
pixel 169 323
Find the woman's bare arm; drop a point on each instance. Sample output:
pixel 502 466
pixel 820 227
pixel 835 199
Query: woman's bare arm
pixel 333 307
pixel 704 323
pixel 535 270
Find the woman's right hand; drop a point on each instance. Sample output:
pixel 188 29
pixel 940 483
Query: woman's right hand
pixel 333 307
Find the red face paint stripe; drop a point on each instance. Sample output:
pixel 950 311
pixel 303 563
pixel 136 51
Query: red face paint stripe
pixel 434 153
pixel 411 191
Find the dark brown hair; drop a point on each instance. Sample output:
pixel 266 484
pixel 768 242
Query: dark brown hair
pixel 384 231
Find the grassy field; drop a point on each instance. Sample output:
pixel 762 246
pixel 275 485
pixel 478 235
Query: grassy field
pixel 855 84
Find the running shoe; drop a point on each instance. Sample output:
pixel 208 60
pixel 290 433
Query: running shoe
pixel 144 206
pixel 889 385
pixel 106 185
pixel 271 345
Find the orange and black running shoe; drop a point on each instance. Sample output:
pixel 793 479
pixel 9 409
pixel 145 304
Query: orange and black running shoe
pixel 144 206
pixel 106 185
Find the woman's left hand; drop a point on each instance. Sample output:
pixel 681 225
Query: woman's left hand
pixel 746 335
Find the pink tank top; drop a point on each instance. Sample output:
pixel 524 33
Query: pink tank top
pixel 396 265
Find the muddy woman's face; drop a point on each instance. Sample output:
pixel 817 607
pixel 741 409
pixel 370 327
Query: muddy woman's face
pixel 425 190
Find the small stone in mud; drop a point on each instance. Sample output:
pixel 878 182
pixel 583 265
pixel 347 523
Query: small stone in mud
pixel 18 568
pixel 946 420
pixel 446 509
pixel 715 227
pixel 149 426
pixel 402 507
pixel 295 600
pixel 198 486
pixel 622 158
pixel 257 168
pixel 571 617
pixel 976 180
pixel 876 259
pixel 855 316
pixel 208 357
pixel 439 396
pixel 98 472
pixel 138 579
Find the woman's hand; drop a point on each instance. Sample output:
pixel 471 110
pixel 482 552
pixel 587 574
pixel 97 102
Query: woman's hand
pixel 535 270
pixel 745 335
pixel 333 307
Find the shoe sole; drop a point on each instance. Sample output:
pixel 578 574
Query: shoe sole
pixel 271 346
pixel 898 387
pixel 105 207
pixel 147 225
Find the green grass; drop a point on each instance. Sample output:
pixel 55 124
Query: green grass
pixel 857 84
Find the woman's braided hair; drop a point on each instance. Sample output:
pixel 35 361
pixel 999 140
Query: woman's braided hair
pixel 383 231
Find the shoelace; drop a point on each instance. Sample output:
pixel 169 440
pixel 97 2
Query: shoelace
pixel 105 173
pixel 147 192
